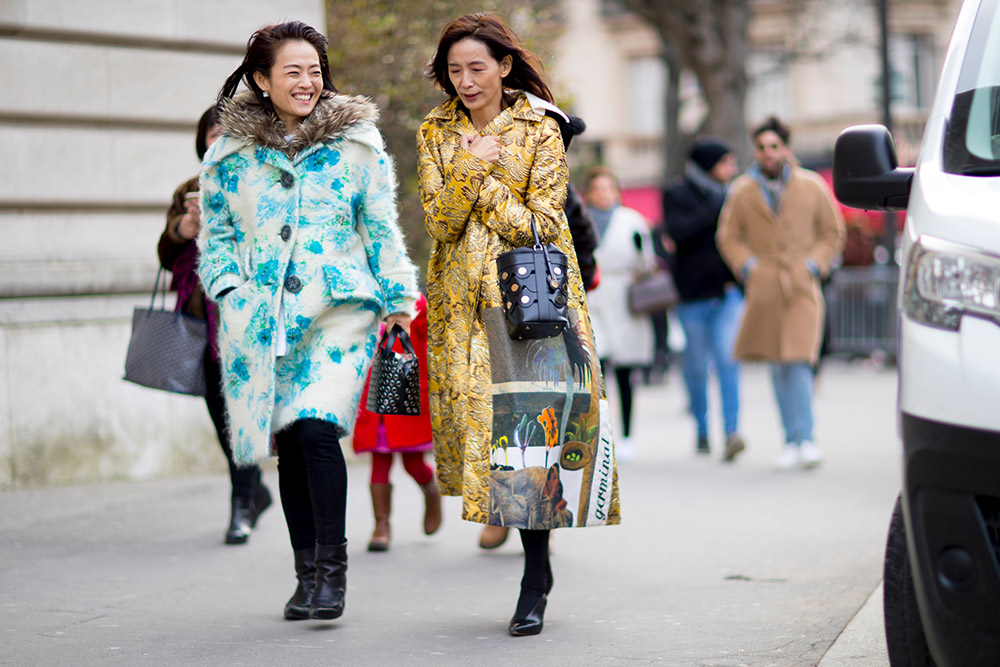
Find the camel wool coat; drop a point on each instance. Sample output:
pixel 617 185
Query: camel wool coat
pixel 305 231
pixel 474 211
pixel 783 312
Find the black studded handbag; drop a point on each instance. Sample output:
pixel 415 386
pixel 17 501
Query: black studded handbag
pixel 394 384
pixel 535 288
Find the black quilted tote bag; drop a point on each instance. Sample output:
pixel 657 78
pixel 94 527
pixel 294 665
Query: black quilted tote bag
pixel 167 348
pixel 394 385
pixel 535 288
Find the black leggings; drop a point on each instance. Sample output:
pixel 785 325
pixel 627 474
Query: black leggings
pixel 536 560
pixel 312 479
pixel 244 479
pixel 623 378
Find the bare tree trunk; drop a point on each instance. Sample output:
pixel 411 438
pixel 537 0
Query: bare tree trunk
pixel 709 37
pixel 674 145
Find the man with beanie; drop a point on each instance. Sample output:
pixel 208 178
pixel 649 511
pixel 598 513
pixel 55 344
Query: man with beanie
pixel 711 301
pixel 778 230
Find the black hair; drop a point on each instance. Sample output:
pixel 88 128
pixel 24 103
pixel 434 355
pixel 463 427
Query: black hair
pixel 208 119
pixel 772 124
pixel 262 51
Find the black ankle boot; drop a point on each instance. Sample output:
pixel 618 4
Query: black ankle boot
pixel 241 521
pixel 529 615
pixel 331 581
pixel 261 501
pixel 297 607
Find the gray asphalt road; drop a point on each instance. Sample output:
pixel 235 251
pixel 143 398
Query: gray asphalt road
pixel 714 565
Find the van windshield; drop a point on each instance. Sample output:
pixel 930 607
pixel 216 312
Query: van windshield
pixel 972 143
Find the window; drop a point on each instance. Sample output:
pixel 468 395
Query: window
pixel 972 140
pixel 768 91
pixel 647 95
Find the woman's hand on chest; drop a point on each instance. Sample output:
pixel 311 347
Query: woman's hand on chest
pixel 485 147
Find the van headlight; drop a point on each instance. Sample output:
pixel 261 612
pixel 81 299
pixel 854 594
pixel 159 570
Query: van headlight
pixel 945 281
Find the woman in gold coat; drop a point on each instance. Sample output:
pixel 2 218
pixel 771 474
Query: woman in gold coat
pixel 520 427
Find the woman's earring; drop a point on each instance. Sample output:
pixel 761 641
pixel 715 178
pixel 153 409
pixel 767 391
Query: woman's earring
pixel 266 94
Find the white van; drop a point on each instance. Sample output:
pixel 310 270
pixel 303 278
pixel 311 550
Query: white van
pixel 942 563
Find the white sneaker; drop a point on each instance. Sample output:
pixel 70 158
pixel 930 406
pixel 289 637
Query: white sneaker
pixel 789 457
pixel 625 449
pixel 810 454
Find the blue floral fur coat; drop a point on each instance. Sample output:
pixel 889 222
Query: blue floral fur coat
pixel 304 229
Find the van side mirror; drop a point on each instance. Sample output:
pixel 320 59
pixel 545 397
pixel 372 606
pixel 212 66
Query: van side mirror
pixel 866 172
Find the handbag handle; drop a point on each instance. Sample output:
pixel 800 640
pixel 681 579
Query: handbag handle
pixel 538 245
pixel 156 287
pixel 389 341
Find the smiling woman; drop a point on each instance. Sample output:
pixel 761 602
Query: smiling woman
pixel 301 250
pixel 294 82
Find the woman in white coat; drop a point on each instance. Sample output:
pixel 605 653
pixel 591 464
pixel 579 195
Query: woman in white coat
pixel 624 251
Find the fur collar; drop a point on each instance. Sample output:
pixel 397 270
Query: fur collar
pixel 242 118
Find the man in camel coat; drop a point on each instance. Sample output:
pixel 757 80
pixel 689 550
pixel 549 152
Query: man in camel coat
pixel 779 230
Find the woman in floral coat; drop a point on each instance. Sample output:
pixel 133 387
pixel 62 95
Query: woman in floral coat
pixel 302 252
pixel 520 427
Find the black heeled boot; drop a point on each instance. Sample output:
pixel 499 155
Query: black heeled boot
pixel 536 584
pixel 297 607
pixel 261 501
pixel 331 582
pixel 241 521
pixel 529 615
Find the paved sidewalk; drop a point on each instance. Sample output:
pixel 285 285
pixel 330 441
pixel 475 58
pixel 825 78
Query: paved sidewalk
pixel 714 565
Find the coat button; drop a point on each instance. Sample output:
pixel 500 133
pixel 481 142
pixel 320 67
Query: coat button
pixel 287 180
pixel 286 232
pixel 293 284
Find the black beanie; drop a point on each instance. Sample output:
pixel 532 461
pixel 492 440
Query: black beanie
pixel 707 152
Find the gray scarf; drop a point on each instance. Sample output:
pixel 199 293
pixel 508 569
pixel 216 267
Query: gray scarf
pixel 601 219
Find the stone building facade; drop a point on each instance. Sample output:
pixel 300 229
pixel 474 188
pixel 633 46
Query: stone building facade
pixel 97 118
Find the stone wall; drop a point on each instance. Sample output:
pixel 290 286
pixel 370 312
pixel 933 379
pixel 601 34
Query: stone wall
pixel 98 110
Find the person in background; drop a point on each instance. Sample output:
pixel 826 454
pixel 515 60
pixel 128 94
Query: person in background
pixel 302 252
pixel 178 253
pixel 624 252
pixel 409 436
pixel 492 167
pixel 779 230
pixel 711 300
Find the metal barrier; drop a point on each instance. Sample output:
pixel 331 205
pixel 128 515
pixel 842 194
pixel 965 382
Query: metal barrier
pixel 861 311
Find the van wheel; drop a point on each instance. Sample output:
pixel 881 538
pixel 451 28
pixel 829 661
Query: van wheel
pixel 904 633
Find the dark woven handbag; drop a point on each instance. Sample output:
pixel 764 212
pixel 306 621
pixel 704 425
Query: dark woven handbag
pixel 653 293
pixel 535 288
pixel 167 348
pixel 394 384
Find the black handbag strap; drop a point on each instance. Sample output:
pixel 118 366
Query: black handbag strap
pixel 389 341
pixel 544 248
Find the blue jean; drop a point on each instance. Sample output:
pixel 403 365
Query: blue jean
pixel 793 387
pixel 710 328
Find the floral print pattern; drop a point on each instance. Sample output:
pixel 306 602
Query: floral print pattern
pixel 304 230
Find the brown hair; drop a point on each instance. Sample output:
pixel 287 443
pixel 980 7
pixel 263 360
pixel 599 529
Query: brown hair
pixel 500 41
pixel 596 172
pixel 262 51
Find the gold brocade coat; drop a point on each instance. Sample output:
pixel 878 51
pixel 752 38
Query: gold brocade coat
pixel 474 211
